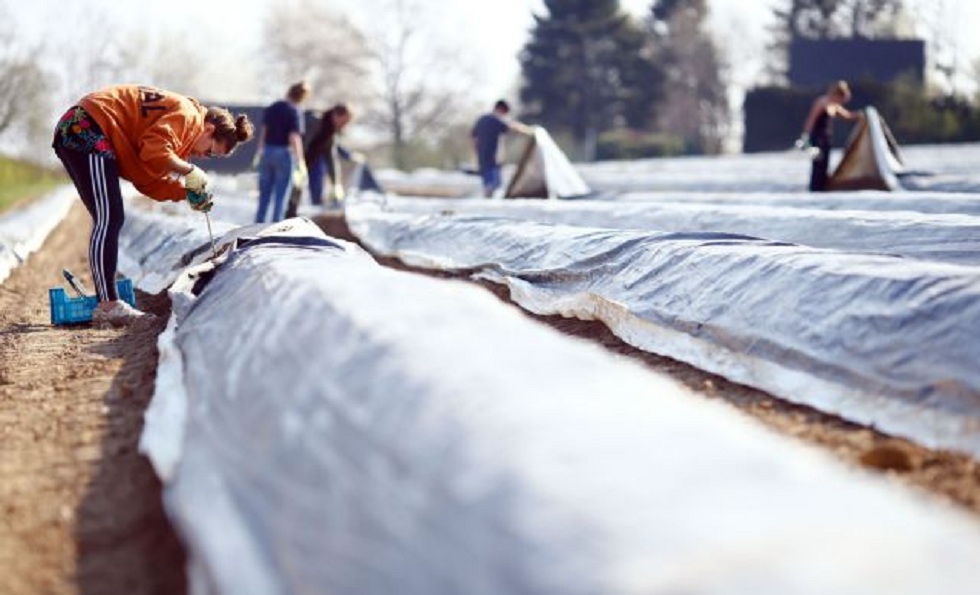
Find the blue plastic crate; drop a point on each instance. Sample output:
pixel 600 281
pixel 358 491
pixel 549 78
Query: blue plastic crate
pixel 74 310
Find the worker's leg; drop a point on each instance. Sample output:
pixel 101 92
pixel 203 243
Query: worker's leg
pixel 97 180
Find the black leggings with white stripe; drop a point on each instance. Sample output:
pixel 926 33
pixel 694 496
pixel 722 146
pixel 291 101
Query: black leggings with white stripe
pixel 96 178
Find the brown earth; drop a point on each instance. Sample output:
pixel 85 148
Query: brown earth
pixel 81 508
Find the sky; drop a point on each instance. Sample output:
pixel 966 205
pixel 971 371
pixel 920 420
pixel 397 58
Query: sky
pixel 493 31
pixel 490 32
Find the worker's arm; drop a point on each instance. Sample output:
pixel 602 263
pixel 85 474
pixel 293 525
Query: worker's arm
pixel 839 111
pixel 520 128
pixel 300 174
pixel 259 147
pixel 818 107
pixel 296 142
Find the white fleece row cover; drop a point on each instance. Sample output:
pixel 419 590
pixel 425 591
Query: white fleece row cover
pixel 880 340
pixel 946 238
pixel 870 200
pixel 22 231
pixel 947 168
pixel 345 428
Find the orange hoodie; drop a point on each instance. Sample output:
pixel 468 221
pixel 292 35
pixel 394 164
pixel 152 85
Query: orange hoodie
pixel 145 126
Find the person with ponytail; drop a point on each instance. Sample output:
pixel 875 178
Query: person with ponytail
pixel 144 135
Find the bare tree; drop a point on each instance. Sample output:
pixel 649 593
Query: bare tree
pixel 309 39
pixel 695 106
pixel 421 85
pixel 162 61
pixel 24 88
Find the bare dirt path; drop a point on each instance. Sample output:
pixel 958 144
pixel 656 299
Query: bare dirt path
pixel 80 509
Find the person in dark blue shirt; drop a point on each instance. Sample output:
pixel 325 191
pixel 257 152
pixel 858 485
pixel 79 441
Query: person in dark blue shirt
pixel 486 143
pixel 280 152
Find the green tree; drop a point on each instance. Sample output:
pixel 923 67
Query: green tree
pixel 586 70
pixel 695 107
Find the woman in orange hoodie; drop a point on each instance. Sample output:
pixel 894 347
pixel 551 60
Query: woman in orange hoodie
pixel 144 135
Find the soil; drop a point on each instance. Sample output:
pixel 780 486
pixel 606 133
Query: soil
pixel 82 509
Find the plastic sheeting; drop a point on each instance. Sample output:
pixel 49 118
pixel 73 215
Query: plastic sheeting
pixel 351 429
pixel 919 202
pixel 930 168
pixel 883 341
pixel 22 231
pixel 948 238
pixel 947 168
pixel 545 172
pixel 871 159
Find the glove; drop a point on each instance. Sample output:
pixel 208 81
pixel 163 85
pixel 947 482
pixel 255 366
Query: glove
pixel 803 143
pixel 357 157
pixel 300 175
pixel 196 179
pixel 337 192
pixel 200 201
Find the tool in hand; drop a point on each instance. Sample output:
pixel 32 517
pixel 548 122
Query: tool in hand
pixel 214 250
pixel 73 282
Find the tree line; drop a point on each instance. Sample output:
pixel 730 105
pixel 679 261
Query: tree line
pixel 619 88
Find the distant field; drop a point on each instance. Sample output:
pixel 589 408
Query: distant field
pixel 22 181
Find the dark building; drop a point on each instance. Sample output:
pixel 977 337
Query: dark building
pixel 816 63
pixel 774 115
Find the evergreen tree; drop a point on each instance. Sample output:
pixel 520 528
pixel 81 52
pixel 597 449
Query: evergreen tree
pixel 585 71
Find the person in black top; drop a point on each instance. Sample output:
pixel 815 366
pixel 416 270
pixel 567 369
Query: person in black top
pixel 818 130
pixel 323 155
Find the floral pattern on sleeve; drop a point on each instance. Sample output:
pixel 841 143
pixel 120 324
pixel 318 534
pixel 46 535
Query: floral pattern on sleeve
pixel 77 130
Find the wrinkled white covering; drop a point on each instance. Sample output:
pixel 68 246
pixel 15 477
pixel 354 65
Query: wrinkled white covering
pixel 560 175
pixel 949 238
pixel 546 167
pixel 148 242
pixel 939 168
pixel 22 231
pixel 351 429
pixel 869 200
pixel 884 341
pixel 949 168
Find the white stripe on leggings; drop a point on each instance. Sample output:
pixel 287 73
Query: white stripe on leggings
pixel 97 243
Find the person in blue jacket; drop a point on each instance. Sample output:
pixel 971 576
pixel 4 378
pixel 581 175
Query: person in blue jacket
pixel 486 143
